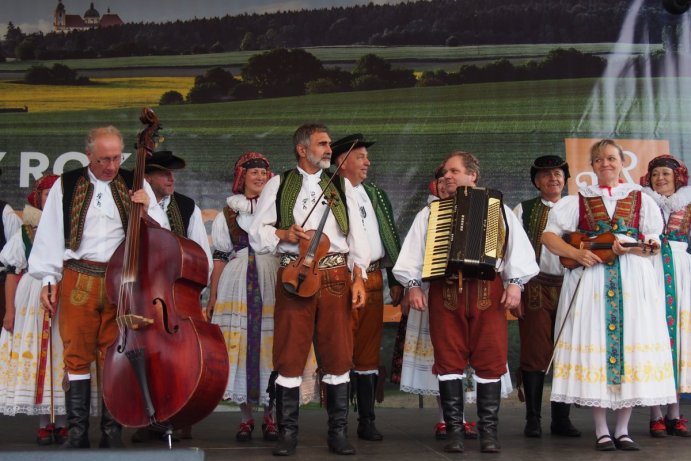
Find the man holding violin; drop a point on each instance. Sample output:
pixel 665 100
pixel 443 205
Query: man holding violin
pixel 540 299
pixel 90 206
pixel 288 212
pixel 377 217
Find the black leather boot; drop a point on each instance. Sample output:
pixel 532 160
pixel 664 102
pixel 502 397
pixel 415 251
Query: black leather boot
pixel 488 399
pixel 111 430
pixel 561 423
pixel 77 401
pixel 451 398
pixel 533 382
pixel 337 408
pixel 287 412
pixel 366 385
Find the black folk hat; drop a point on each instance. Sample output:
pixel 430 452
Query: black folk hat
pixel 344 144
pixel 163 160
pixel 548 162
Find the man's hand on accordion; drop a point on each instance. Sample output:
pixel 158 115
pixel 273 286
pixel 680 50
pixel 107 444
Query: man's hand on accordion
pixel 417 299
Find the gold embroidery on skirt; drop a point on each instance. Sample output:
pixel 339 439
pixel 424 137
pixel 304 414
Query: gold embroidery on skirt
pixel 483 295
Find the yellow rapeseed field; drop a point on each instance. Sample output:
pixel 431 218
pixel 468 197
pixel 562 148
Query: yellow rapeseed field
pixel 105 93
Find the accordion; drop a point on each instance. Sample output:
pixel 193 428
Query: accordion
pixel 466 234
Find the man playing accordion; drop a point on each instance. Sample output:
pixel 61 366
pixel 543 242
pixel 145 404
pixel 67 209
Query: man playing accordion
pixel 468 322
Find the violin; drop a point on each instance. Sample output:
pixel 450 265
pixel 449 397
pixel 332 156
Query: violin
pixel 601 245
pixel 301 277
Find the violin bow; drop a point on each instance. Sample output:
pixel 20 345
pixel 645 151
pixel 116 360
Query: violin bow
pixel 561 328
pixel 352 146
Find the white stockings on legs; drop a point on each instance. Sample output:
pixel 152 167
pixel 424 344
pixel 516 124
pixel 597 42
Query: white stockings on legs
pixel 600 420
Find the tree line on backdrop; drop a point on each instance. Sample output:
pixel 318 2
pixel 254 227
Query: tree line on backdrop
pixel 437 22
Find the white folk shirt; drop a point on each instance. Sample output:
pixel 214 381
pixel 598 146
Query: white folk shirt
pixel 369 222
pixel 518 261
pixel 549 262
pixel 262 233
pixel 195 229
pixel 103 231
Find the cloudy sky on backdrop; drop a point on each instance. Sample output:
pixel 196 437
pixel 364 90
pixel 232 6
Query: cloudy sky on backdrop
pixel 34 15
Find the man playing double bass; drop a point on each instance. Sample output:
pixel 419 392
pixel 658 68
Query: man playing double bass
pixel 281 222
pixel 91 206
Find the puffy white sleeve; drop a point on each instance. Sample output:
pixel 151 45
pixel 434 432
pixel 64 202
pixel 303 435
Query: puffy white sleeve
pixel 408 267
pixel 48 250
pixel 651 219
pixel 563 217
pixel 220 236
pixel 13 253
pixel 262 232
pixel 10 222
pixel 197 232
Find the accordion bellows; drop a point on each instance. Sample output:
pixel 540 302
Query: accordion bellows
pixel 466 233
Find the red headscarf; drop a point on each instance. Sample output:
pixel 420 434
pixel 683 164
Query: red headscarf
pixel 41 184
pixel 681 173
pixel 246 161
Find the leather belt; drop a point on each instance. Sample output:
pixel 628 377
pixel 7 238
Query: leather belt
pixel 374 266
pixel 92 268
pixel 327 262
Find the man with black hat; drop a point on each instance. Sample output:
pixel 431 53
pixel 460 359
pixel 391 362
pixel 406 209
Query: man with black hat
pixel 9 225
pixel 377 217
pixel 184 217
pixel 82 224
pixel 540 299
pixel 290 206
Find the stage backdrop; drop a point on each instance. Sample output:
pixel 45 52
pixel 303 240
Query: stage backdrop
pixel 640 96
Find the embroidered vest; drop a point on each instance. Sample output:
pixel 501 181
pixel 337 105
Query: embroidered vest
pixel 287 194
pixel 535 215
pixel 678 225
pixel 237 233
pixel 77 193
pixel 28 233
pixel 179 213
pixel 592 210
pixel 385 219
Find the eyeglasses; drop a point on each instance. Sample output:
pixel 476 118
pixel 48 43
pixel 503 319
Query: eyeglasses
pixel 109 160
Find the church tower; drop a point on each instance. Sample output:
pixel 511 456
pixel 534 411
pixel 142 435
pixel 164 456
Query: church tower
pixel 59 17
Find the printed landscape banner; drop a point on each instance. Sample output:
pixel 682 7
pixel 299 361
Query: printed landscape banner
pixel 641 96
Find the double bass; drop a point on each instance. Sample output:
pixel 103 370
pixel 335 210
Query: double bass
pixel 168 366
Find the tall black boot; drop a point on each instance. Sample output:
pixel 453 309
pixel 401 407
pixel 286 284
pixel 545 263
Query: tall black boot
pixel 561 423
pixel 451 398
pixel 488 399
pixel 366 385
pixel 287 412
pixel 533 383
pixel 111 430
pixel 337 408
pixel 78 400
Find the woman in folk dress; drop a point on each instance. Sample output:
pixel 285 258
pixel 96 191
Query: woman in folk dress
pixel 667 183
pixel 613 351
pixel 241 301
